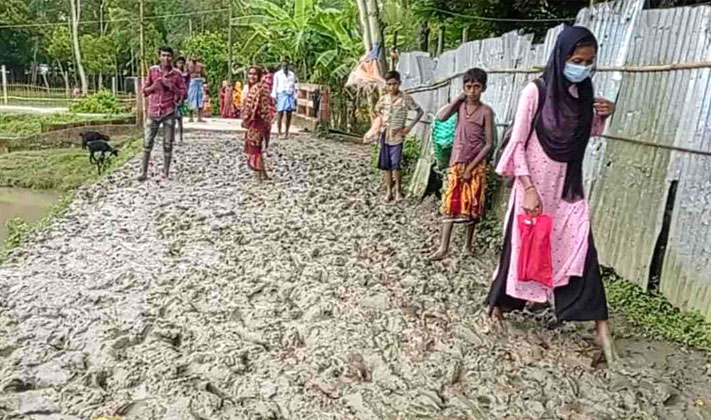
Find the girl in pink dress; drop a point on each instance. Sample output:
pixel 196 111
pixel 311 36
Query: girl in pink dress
pixel 545 154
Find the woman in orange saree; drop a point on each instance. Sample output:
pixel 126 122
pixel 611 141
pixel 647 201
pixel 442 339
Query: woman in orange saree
pixel 257 117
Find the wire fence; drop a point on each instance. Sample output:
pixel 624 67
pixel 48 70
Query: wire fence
pixel 21 94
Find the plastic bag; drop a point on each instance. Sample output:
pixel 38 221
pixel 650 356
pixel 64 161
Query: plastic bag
pixel 443 134
pixel 535 262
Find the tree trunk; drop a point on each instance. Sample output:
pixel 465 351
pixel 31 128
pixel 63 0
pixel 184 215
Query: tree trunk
pixel 440 40
pixel 75 17
pixel 465 34
pixel 65 76
pixel 425 36
pixel 365 26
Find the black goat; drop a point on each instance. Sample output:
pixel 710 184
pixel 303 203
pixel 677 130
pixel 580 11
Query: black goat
pixel 89 136
pixel 100 146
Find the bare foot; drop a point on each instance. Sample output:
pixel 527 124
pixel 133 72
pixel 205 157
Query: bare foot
pixel 388 196
pixel 470 251
pixel 398 197
pixel 603 338
pixel 608 347
pixel 495 312
pixel 439 255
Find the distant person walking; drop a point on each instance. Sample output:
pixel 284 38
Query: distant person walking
pixel 165 87
pixel 181 110
pixel 226 100
pixel 555 118
pixel 196 90
pixel 284 92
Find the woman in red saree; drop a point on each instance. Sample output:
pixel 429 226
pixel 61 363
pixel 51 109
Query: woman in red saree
pixel 226 107
pixel 257 116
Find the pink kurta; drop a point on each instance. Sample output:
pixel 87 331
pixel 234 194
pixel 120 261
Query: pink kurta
pixel 571 221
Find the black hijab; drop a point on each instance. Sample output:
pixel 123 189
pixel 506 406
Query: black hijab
pixel 565 121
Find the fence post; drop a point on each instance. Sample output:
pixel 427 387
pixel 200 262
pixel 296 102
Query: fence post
pixel 4 85
pixel 114 85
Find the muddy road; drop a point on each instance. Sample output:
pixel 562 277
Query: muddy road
pixel 210 296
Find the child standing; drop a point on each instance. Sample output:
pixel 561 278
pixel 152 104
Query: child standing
pixel 464 200
pixel 393 108
pixel 207 104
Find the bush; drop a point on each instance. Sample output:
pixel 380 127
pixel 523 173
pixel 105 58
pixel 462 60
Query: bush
pixel 101 102
pixel 654 316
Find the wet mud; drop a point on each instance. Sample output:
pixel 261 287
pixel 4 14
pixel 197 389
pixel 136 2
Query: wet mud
pixel 210 296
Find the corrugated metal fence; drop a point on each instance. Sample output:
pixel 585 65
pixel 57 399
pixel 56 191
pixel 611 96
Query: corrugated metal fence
pixel 648 177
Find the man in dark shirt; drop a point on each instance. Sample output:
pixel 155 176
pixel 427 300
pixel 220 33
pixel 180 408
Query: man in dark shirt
pixel 166 88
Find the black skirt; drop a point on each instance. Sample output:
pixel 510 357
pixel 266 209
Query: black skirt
pixel 582 299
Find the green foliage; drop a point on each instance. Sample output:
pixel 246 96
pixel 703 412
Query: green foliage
pixel 16 230
pixel 212 48
pixel 654 316
pixel 98 54
pixel 20 125
pixel 59 44
pixel 101 102
pixel 323 42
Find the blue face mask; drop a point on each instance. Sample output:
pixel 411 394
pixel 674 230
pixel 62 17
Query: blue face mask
pixel 576 73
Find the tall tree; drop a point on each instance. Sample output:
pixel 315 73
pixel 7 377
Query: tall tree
pixel 75 19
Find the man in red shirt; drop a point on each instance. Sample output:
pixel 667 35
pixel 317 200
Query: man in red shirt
pixel 166 88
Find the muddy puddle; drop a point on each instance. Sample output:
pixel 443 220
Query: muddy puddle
pixel 29 205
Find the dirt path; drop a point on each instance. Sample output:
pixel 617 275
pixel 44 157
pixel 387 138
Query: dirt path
pixel 212 297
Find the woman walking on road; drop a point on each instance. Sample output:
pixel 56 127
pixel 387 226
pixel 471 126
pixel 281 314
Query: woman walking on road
pixel 551 131
pixel 257 117
pixel 226 100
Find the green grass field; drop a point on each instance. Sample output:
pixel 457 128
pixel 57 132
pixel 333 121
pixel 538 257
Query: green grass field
pixel 56 169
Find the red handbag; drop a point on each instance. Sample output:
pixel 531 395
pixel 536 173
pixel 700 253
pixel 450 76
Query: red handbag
pixel 535 262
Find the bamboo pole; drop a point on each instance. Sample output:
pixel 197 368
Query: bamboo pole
pixel 140 118
pixel 605 69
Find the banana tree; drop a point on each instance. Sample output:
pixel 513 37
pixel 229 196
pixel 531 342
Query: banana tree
pixel 303 30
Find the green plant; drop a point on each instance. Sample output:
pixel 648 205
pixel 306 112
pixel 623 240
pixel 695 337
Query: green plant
pixel 654 316
pixel 101 102
pixel 21 125
pixel 16 230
